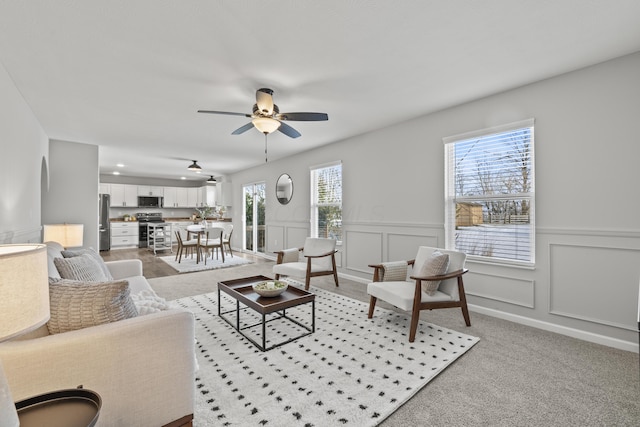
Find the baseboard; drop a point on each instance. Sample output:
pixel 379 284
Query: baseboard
pixel 562 330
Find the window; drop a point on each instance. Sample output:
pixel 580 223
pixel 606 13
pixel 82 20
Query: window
pixel 326 201
pixel 489 200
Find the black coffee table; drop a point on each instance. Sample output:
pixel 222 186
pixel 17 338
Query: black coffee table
pixel 241 291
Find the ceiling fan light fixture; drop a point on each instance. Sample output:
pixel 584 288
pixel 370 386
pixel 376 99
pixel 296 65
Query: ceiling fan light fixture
pixel 194 167
pixel 266 124
pixel 211 180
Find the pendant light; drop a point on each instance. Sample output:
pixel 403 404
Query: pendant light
pixel 211 181
pixel 194 167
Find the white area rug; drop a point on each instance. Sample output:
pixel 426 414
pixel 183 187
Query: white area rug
pixel 350 371
pixel 188 265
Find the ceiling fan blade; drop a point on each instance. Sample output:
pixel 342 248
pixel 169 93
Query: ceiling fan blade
pixel 288 130
pixel 242 129
pixel 229 113
pixel 303 117
pixel 264 100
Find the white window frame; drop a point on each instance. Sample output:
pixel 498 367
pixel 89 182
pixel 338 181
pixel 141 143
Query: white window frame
pixel 314 197
pixel 451 199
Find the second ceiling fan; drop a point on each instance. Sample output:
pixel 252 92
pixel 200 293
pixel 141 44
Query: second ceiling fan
pixel 267 118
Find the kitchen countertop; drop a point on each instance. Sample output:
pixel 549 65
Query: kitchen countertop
pixel 169 219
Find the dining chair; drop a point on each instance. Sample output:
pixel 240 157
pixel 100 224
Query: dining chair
pixel 211 238
pixel 185 247
pixel 226 237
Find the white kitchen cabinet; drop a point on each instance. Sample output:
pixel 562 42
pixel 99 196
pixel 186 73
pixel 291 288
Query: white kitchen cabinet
pixel 124 234
pixel 194 201
pixel 178 197
pixel 124 195
pixel 104 188
pixel 182 195
pixel 146 190
pixel 170 197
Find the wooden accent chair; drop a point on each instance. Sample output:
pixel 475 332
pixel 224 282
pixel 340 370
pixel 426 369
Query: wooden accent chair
pixel 320 260
pixel 446 289
pixel 185 247
pixel 211 238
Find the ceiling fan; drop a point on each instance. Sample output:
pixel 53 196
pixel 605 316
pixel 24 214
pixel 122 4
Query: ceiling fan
pixel 267 118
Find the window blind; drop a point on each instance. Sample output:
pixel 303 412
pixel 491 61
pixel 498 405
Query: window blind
pixel 489 194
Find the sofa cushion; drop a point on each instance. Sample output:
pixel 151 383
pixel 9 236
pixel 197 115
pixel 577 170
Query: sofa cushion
pixel 79 304
pixel 436 265
pixel 82 267
pixel 148 302
pixel 95 255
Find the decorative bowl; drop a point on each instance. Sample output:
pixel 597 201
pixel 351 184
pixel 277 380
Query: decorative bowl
pixel 270 288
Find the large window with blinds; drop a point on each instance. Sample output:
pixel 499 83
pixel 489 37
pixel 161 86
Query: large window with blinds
pixel 489 193
pixel 326 201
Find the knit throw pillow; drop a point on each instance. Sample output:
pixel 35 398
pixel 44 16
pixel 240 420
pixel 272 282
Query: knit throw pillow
pixel 436 265
pixel 93 254
pixel 394 271
pixel 82 267
pixel 77 304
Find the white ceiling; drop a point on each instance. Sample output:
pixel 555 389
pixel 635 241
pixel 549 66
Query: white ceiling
pixel 129 75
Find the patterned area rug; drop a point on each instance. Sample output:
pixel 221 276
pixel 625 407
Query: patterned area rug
pixel 188 265
pixel 350 371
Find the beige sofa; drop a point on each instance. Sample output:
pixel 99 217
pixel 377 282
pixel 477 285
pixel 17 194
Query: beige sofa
pixel 142 367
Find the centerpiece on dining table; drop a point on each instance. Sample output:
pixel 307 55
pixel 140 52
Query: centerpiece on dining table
pixel 205 212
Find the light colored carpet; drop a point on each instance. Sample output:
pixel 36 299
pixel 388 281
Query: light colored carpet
pixel 515 376
pixel 189 264
pixel 350 371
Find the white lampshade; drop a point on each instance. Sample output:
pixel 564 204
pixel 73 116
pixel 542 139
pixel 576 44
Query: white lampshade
pixel 68 235
pixel 266 124
pixel 8 413
pixel 24 289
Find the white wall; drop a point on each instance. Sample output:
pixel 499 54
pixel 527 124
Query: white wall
pixel 23 160
pixel 585 282
pixel 72 195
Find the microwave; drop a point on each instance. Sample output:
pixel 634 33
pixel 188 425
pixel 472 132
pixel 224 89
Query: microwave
pixel 149 202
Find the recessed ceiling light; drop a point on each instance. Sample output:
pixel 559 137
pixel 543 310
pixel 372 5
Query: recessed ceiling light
pixel 182 177
pixel 120 165
pixel 116 173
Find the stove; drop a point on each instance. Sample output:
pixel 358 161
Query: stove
pixel 143 219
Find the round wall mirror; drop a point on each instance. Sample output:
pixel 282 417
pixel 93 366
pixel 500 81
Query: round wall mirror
pixel 284 188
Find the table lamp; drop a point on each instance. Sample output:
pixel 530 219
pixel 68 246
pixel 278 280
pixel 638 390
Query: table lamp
pixel 68 235
pixel 24 305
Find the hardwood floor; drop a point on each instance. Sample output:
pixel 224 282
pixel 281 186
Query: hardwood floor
pixel 152 266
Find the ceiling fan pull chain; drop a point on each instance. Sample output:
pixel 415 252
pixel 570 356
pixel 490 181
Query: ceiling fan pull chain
pixel 265 147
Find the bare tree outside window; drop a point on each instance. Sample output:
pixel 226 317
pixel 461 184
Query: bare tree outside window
pixel 490 194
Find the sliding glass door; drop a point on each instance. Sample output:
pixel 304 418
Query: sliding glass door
pixel 253 215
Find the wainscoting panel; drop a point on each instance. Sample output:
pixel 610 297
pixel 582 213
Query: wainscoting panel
pixel 405 246
pixel 500 288
pixel 275 238
pixel 364 248
pixel 26 235
pixel 594 283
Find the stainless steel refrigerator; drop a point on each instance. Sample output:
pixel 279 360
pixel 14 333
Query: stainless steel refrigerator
pixel 104 224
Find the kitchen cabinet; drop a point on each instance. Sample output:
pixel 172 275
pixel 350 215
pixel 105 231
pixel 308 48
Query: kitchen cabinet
pixel 124 195
pixel 124 234
pixel 104 188
pixel 178 197
pixel 146 190
pixel 192 197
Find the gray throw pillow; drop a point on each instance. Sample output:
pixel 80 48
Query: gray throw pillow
pixel 82 267
pixel 95 255
pixel 77 304
pixel 436 265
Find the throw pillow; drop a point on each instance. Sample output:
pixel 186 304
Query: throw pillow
pixel 148 302
pixel 436 265
pixel 394 271
pixel 77 304
pixel 82 267
pixel 95 255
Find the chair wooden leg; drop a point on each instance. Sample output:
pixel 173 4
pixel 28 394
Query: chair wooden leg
pixel 415 316
pixel 463 302
pixel 306 282
pixel 277 277
pixel 372 306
